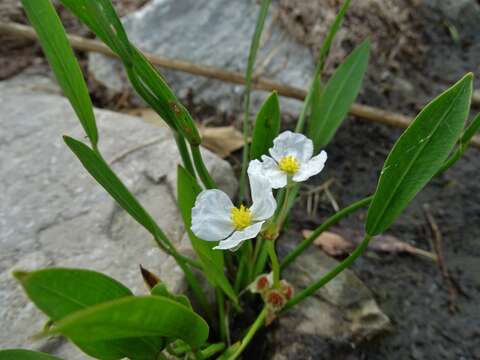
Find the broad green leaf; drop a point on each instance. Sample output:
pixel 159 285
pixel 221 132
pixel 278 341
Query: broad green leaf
pixel 56 47
pixel 418 154
pixel 161 290
pixel 99 169
pixel 267 126
pixel 212 260
pixel 130 317
pixel 20 354
pixel 338 95
pixel 60 292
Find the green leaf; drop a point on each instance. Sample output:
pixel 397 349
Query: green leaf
pixel 418 154
pixel 161 290
pixel 57 49
pixel 267 126
pixel 338 95
pixel 129 317
pixel 212 260
pixel 471 130
pixel 99 169
pixel 20 354
pixel 60 292
pixel 101 18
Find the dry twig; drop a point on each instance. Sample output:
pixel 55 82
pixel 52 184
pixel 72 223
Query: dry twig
pixel 438 247
pixel 365 112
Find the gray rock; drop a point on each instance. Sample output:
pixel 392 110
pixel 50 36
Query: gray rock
pixel 214 33
pixel 341 313
pixel 53 213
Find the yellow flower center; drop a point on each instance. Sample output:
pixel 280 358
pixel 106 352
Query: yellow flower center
pixel 241 217
pixel 289 165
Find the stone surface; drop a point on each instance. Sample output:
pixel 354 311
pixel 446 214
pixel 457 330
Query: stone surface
pixel 342 313
pixel 53 213
pixel 215 33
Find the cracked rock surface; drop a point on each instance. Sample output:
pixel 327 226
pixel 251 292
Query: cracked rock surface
pixel 53 213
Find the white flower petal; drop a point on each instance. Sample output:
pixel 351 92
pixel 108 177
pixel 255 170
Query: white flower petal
pixel 263 202
pixel 294 144
pixel 270 170
pixel 211 215
pixel 238 236
pixel 312 167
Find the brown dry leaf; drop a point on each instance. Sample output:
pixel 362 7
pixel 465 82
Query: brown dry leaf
pixel 147 114
pixel 335 244
pixel 222 140
pixel 389 243
pixel 331 243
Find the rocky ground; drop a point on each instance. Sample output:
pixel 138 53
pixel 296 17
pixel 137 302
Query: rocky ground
pixel 419 47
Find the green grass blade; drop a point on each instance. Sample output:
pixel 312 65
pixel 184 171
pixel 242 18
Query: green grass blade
pixel 323 54
pixel 418 154
pixel 100 170
pixel 58 51
pixel 101 18
pixel 212 260
pixel 267 126
pixel 252 55
pixel 338 95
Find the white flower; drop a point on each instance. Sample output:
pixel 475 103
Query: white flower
pixel 291 157
pixel 215 218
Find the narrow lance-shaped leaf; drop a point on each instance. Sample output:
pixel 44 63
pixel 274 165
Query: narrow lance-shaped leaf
pixel 20 354
pixel 101 18
pixel 418 154
pixel 59 53
pixel 212 260
pixel 99 169
pixel 131 317
pixel 60 292
pixel 338 95
pixel 267 126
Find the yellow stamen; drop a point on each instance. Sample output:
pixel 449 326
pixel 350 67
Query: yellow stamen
pixel 241 217
pixel 289 165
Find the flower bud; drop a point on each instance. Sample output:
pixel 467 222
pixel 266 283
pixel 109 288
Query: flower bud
pixel 275 300
pixel 286 289
pixel 261 283
pixel 150 278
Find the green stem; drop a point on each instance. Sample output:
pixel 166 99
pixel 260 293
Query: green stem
pixel 251 332
pixel 221 314
pixel 275 264
pixel 284 211
pixel 329 276
pixel 184 154
pixel 329 222
pixel 212 350
pixel 202 169
pixel 242 268
pixel 248 87
pixel 261 259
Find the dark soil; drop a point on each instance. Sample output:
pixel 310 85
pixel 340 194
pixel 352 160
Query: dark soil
pixel 410 290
